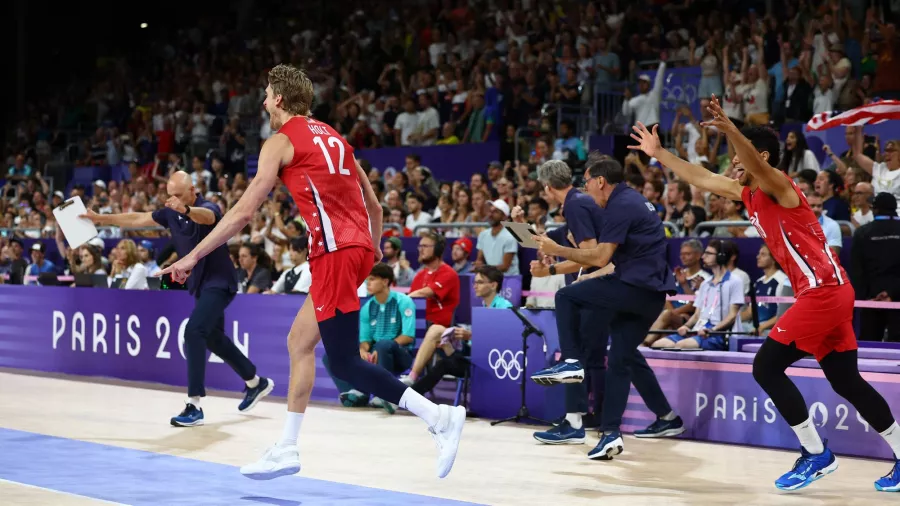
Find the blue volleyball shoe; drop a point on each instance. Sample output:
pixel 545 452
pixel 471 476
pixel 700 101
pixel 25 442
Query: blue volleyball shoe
pixel 610 445
pixel 807 469
pixel 891 481
pixel 563 372
pixel 562 434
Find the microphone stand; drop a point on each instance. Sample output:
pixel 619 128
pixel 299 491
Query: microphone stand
pixel 523 414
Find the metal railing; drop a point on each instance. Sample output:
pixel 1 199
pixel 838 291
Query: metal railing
pixel 673 228
pixel 469 224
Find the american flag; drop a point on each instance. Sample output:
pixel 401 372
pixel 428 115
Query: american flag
pixel 869 114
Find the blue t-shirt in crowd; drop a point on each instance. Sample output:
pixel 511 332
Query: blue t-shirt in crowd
pixel 499 303
pixel 630 221
pixel 214 270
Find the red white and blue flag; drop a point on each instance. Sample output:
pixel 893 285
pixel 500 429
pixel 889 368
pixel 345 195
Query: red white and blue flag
pixel 869 114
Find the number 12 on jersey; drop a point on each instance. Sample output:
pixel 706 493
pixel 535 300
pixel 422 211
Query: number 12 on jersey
pixel 332 142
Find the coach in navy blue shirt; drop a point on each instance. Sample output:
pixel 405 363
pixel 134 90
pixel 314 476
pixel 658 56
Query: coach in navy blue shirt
pixel 629 297
pixel 213 283
pixel 586 336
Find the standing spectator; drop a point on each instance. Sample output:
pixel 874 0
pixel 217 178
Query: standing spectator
pixel 885 175
pixel 606 65
pixel 254 275
pixel 875 269
pixel 496 246
pixel 428 123
pixel 406 123
pixel 645 106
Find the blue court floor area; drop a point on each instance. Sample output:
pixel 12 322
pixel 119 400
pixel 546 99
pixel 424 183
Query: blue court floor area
pixel 143 478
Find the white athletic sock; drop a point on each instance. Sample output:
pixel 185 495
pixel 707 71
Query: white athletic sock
pixel 574 420
pixel 291 429
pixel 670 416
pixel 571 360
pixel 892 436
pixel 809 437
pixel 195 401
pixel 420 406
pixel 253 383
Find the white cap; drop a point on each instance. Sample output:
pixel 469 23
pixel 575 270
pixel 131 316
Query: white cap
pixel 645 77
pixel 100 183
pixel 97 242
pixel 60 194
pixel 501 205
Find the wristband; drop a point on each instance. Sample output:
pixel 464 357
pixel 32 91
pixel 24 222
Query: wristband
pixel 552 270
pixel 187 210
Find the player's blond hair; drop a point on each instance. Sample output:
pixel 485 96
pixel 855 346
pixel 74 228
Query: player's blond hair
pixel 295 88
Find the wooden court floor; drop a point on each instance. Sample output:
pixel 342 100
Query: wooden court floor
pixel 363 447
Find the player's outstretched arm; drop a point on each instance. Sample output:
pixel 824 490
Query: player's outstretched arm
pixel 649 143
pixel 372 206
pixel 770 180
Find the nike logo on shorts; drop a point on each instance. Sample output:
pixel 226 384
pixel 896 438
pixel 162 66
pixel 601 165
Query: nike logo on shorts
pixel 320 307
pixel 779 329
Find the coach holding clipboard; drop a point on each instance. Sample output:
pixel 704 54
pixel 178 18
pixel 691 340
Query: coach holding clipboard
pixel 629 298
pixel 213 283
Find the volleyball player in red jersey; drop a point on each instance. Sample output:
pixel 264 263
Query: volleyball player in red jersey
pixel 344 218
pixel 819 323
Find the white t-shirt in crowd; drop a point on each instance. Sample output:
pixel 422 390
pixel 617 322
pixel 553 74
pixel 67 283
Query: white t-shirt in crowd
pixel 886 181
pixel 862 219
pixel 423 219
pixel 406 123
pixel 428 120
pixel 824 100
pixel 302 284
pixel 756 98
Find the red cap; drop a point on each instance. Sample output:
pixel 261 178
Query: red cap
pixel 465 243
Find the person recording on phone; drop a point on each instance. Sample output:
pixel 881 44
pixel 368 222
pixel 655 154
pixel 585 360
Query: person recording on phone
pixel 396 260
pixel 716 306
pixel 212 282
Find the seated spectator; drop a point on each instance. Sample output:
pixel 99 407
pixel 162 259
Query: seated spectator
pixel 862 195
pixel 830 227
pixel 12 262
pixel 387 330
pixel 452 341
pixel 717 306
pixel 416 216
pixel 39 263
pixel 438 283
pixel 688 278
pixel 297 279
pixel 145 253
pixel 395 258
pixel 460 252
pixel 771 284
pixel 127 265
pixel 797 156
pixel 496 246
pixel 86 260
pixel 829 185
pixel 254 275
pixel 733 254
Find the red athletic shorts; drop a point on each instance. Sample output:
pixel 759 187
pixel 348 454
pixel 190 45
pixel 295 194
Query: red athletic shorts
pixel 821 321
pixel 336 276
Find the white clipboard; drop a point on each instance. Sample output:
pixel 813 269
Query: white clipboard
pixel 522 232
pixel 77 230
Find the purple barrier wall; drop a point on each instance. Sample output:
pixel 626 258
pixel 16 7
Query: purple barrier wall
pixel 447 163
pixel 714 392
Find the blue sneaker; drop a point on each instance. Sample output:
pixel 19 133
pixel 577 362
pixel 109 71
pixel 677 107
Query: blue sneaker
pixel 562 434
pixel 190 417
pixel 662 428
pixel 891 481
pixel 563 372
pixel 610 445
pixel 807 469
pixel 254 395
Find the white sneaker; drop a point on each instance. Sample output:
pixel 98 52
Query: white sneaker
pixel 278 461
pixel 446 436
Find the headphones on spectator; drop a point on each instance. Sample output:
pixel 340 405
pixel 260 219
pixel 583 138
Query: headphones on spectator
pixel 440 244
pixel 723 256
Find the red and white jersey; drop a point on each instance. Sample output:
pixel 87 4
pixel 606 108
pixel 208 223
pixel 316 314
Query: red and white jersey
pixel 796 240
pixel 322 179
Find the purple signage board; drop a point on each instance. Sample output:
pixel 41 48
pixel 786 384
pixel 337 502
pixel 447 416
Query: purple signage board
pixel 498 365
pixel 139 335
pixel 681 86
pixel 718 399
pixel 455 162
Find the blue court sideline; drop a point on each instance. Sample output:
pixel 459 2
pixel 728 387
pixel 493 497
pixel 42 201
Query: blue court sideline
pixel 143 478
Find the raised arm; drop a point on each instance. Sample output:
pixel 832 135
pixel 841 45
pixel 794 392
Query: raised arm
pixel 864 162
pixel 693 174
pixel 770 180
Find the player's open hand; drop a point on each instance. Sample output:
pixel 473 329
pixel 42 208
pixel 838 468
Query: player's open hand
pixel 546 245
pixel 180 270
pixel 89 214
pixel 719 120
pixel 648 141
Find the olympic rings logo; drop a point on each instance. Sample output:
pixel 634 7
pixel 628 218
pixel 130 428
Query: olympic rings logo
pixel 676 95
pixel 505 364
